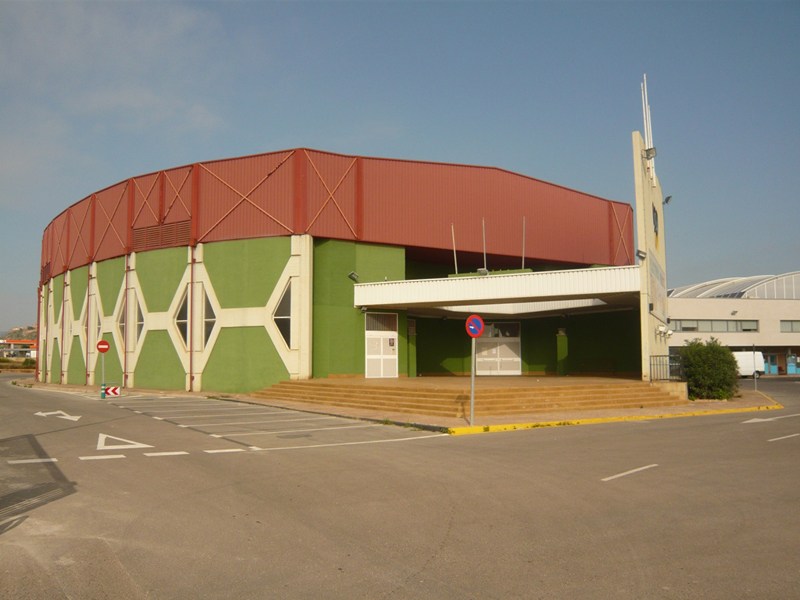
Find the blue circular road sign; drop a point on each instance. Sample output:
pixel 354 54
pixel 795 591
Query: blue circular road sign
pixel 474 326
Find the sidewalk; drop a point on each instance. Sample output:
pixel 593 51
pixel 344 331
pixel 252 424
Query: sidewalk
pixel 747 401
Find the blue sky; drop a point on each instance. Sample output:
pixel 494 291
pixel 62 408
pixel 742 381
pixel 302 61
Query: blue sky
pixel 94 93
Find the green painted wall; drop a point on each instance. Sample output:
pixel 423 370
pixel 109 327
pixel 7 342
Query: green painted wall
pixel 160 272
pixel 422 270
pixel 113 368
pixel 412 356
pixel 58 296
pixel 159 367
pixel 76 371
pixel 604 343
pixel 539 346
pixel 110 274
pixel 244 359
pixel 78 282
pixel 244 272
pixel 596 343
pixel 339 326
pixel 443 347
pixel 54 375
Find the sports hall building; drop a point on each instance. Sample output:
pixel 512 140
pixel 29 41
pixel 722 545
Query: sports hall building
pixel 236 274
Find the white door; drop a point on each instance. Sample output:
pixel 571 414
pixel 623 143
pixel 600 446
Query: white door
pixel 499 350
pixel 381 345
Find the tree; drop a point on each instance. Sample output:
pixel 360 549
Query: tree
pixel 711 370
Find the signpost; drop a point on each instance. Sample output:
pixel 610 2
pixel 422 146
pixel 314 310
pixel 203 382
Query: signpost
pixel 475 330
pixel 102 348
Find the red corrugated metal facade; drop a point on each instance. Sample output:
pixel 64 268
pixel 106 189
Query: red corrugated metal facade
pixel 383 201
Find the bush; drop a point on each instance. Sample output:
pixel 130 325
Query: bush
pixel 711 370
pixel 29 363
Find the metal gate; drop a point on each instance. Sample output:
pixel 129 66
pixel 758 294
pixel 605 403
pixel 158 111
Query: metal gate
pixel 499 350
pixel 381 345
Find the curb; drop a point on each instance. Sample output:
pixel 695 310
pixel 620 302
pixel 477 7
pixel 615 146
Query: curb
pixel 536 425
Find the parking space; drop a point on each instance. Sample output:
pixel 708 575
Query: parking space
pixel 261 427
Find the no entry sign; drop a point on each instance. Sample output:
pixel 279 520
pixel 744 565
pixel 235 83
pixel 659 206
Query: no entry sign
pixel 474 326
pixel 103 346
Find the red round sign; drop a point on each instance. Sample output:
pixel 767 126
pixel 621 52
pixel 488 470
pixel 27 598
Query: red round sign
pixel 474 326
pixel 103 346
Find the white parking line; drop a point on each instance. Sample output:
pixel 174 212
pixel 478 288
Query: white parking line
pixel 267 421
pixel 628 472
pixel 165 453
pixel 104 457
pixel 421 437
pixel 32 460
pixel 212 415
pixel 224 450
pixel 174 410
pixel 784 437
pixel 242 434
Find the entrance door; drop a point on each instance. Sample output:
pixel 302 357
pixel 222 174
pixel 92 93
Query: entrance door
pixel 381 345
pixel 771 364
pixel 498 350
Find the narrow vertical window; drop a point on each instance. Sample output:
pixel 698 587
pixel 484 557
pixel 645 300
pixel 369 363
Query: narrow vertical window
pixel 182 319
pixel 123 317
pixel 139 321
pixel 283 315
pixel 209 320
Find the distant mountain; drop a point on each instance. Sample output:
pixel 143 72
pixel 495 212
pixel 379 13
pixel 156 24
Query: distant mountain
pixel 28 332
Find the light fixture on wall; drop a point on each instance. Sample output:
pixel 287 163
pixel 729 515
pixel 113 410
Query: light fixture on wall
pixel 641 254
pixel 649 153
pixel 666 200
pixel 733 312
pixel 353 275
pixel 363 309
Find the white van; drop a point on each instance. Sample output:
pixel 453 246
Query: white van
pixel 750 363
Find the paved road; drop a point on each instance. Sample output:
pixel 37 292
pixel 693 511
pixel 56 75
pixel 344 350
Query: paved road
pixel 211 499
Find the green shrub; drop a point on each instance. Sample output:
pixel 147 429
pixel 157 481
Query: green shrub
pixel 711 370
pixel 29 363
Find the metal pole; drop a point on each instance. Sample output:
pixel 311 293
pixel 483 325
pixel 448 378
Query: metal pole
pixel 472 388
pixel 103 375
pixel 483 226
pixel 455 258
pixel 755 370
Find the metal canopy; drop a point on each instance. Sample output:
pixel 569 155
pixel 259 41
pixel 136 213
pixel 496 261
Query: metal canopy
pixel 514 294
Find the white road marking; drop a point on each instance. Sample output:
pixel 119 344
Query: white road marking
pixel 264 421
pixel 58 413
pixel 101 443
pixel 242 434
pixel 32 460
pixel 159 418
pixel 628 472
pixel 757 420
pixel 180 410
pixel 254 414
pixel 224 451
pixel 165 453
pixel 421 437
pixel 784 437
pixel 104 457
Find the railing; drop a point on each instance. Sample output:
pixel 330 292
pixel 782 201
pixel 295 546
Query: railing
pixel 667 368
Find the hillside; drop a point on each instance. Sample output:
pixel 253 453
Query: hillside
pixel 27 332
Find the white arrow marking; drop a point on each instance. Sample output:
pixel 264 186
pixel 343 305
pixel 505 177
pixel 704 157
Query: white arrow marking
pixel 101 443
pixel 59 413
pixel 757 420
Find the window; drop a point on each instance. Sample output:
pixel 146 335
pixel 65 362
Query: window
pixel 122 320
pixel 182 319
pixel 790 326
pixel 139 321
pixel 283 315
pixel 713 326
pixel 209 319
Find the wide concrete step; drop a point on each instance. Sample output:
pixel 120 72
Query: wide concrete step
pixel 436 401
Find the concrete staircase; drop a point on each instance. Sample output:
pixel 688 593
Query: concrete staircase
pixel 452 402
